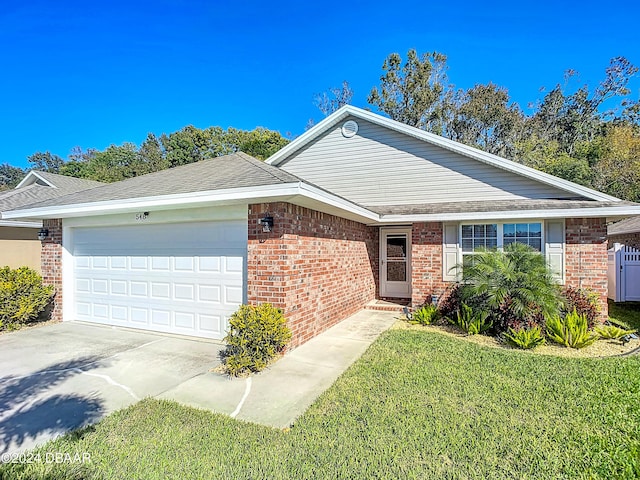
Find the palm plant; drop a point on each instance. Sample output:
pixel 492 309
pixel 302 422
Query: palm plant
pixel 515 286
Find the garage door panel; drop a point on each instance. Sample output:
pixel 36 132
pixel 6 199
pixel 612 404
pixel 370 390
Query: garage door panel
pixel 120 280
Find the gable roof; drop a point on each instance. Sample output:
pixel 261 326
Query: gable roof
pixel 346 111
pixel 37 187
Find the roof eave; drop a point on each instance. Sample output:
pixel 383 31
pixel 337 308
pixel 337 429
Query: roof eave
pixel 593 212
pixel 298 193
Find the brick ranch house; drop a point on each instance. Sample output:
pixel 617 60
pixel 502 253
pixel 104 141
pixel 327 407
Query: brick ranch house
pixel 358 208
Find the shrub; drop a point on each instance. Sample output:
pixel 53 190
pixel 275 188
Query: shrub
pixel 583 301
pixel 23 297
pixel 612 332
pixel 515 286
pixel 257 334
pixel 525 338
pixel 425 315
pixel 472 322
pixel 451 300
pixel 572 330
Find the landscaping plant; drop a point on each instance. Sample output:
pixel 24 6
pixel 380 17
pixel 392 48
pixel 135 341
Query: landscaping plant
pixel 472 322
pixel 257 334
pixel 23 297
pixel 583 301
pixel 572 330
pixel 612 332
pixel 425 315
pixel 525 338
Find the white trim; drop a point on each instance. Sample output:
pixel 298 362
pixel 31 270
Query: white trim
pixel 514 214
pixel 19 224
pixel 68 290
pixel 283 192
pixel 474 153
pixel 28 180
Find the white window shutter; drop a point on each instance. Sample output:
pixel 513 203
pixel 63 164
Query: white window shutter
pixel 554 247
pixel 449 251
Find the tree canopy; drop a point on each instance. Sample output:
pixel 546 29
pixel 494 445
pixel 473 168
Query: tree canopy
pixel 187 145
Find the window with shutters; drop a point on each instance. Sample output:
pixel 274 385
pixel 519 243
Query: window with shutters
pixel 488 236
pixel 460 241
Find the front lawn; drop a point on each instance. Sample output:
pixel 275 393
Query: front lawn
pixel 627 314
pixel 418 404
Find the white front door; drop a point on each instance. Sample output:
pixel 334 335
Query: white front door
pixel 395 262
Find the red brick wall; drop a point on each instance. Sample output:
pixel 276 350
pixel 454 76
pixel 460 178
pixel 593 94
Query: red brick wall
pixel 317 267
pixel 426 260
pixel 630 239
pixel 586 256
pixel 51 263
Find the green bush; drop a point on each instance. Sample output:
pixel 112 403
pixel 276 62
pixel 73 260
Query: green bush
pixel 525 338
pixel 612 332
pixel 425 315
pixel 471 321
pixel 257 334
pixel 514 286
pixel 23 297
pixel 572 330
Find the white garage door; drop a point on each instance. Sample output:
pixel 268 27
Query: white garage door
pixel 184 278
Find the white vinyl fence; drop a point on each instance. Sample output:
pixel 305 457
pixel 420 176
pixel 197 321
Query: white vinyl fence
pixel 623 273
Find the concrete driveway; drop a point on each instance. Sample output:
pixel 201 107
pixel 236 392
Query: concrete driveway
pixel 63 376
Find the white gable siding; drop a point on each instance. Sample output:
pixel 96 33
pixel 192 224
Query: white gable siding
pixel 381 167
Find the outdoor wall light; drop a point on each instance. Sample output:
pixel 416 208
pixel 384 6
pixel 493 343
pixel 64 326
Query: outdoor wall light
pixel 434 299
pixel 43 233
pixel 267 223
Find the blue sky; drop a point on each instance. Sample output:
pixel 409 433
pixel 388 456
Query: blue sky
pixel 95 73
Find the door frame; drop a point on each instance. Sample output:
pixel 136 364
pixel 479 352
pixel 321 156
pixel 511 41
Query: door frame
pixel 394 289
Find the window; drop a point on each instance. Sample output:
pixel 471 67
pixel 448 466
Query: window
pixel 474 236
pixel 527 233
pixel 498 236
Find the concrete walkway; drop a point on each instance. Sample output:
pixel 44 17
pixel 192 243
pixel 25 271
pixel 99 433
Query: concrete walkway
pixel 279 395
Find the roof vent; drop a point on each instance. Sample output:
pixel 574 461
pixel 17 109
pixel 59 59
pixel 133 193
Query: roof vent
pixel 349 129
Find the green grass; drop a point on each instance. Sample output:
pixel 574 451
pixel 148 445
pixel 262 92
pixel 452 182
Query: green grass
pixel 626 314
pixel 418 404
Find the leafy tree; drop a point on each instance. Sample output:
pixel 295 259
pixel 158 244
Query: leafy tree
pixel 483 117
pixel 618 170
pixel 577 117
pixel 415 92
pixel 46 162
pixel 185 146
pixel 152 155
pixel 10 176
pixel 261 143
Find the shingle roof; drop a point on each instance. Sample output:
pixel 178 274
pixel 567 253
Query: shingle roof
pixel 629 225
pixel 229 171
pixel 492 206
pixel 37 193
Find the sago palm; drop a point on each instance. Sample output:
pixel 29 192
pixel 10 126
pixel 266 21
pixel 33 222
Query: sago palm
pixel 516 282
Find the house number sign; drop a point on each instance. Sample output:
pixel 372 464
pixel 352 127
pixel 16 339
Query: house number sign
pixel 141 217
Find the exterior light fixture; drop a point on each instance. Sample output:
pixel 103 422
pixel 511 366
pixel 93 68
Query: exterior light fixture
pixel 267 223
pixel 434 299
pixel 43 233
